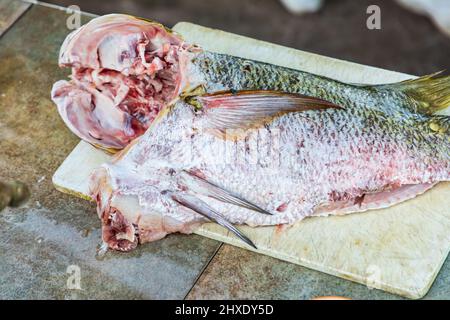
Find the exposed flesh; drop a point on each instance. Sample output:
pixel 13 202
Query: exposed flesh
pixel 124 71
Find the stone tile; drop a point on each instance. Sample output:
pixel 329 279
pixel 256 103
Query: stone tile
pixel 39 241
pixel 10 11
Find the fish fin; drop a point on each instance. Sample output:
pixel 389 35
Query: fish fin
pixel 253 108
pixel 202 208
pixel 203 186
pixel 428 94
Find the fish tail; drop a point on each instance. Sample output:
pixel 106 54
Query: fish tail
pixel 427 95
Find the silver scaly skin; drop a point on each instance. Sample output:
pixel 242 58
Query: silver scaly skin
pixel 371 154
pixel 392 110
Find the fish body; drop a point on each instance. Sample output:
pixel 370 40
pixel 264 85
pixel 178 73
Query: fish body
pixel 238 141
pixel 297 165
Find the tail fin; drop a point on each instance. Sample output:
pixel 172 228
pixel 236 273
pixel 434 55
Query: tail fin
pixel 428 94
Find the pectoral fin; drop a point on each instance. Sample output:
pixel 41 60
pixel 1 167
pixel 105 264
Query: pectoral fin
pixel 246 109
pixel 208 188
pixel 202 208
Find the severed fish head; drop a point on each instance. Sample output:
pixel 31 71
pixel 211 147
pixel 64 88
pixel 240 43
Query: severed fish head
pixel 137 208
pixel 124 71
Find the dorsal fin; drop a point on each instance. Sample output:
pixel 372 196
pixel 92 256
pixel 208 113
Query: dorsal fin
pixel 253 108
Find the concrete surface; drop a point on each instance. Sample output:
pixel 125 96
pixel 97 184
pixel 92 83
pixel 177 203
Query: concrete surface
pixel 10 11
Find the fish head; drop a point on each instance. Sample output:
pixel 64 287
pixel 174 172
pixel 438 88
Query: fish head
pixel 125 70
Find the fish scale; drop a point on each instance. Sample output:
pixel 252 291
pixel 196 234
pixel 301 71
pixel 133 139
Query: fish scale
pixel 225 71
pixel 341 167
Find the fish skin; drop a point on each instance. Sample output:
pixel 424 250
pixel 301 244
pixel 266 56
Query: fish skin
pixel 396 113
pixel 324 157
pixel 390 111
pixel 222 71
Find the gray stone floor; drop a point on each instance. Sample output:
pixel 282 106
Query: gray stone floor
pixel 54 231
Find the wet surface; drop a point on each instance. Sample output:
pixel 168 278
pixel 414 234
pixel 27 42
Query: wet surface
pixel 39 241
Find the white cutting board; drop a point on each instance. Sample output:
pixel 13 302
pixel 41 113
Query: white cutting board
pixel 399 249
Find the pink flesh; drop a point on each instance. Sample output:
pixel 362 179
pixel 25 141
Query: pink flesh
pixel 124 225
pixel 124 71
